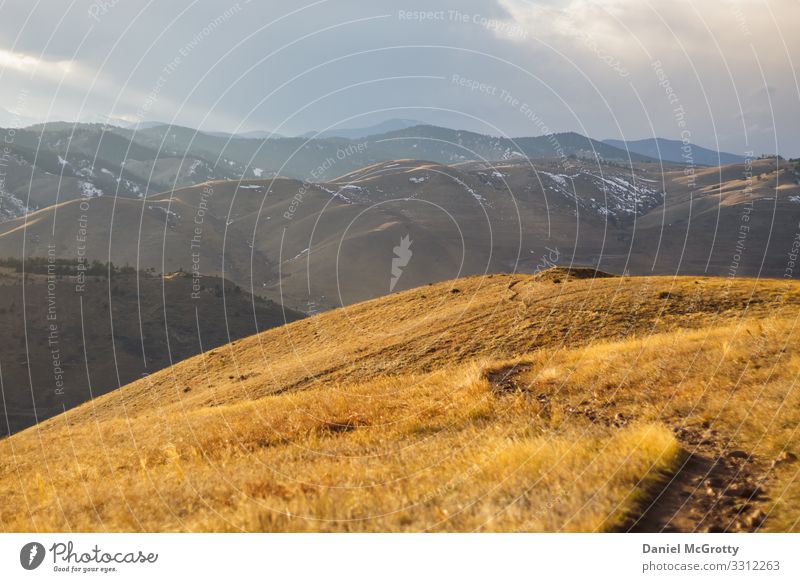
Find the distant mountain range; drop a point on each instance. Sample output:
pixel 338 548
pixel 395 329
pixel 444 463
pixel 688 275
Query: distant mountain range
pixel 138 124
pixel 359 132
pixel 141 125
pixel 57 162
pixel 258 134
pixel 52 163
pixel 671 150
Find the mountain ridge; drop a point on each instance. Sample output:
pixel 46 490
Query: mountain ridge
pixel 59 160
pixel 676 151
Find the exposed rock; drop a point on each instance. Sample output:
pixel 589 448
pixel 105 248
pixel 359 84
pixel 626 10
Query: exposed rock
pixel 744 490
pixel 784 458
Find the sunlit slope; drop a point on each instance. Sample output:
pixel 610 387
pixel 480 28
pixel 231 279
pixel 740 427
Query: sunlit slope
pixel 503 403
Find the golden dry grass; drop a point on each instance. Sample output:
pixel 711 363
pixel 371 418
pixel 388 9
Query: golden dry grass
pixel 382 416
pixel 434 452
pixel 736 385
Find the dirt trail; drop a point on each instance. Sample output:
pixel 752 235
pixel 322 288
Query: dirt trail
pixel 715 489
pixel 712 491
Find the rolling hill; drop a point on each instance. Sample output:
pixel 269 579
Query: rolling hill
pixel 568 400
pixel 58 162
pixel 316 159
pixel 68 341
pixel 317 245
pixel 47 164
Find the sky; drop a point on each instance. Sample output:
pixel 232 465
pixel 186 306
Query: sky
pixel 718 73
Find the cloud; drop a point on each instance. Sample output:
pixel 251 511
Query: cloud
pixel 580 65
pixel 33 65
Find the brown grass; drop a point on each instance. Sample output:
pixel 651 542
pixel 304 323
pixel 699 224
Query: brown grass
pixel 381 417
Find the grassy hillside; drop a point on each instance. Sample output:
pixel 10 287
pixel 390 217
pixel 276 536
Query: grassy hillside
pixel 65 343
pixel 556 402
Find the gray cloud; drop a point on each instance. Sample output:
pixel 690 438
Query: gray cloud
pixel 576 65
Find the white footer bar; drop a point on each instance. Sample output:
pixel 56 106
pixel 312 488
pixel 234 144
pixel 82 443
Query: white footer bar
pixel 387 557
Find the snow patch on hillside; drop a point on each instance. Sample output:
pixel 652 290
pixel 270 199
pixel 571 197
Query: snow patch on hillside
pixel 623 194
pixel 89 190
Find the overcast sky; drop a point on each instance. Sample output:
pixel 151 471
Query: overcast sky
pixel 719 72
